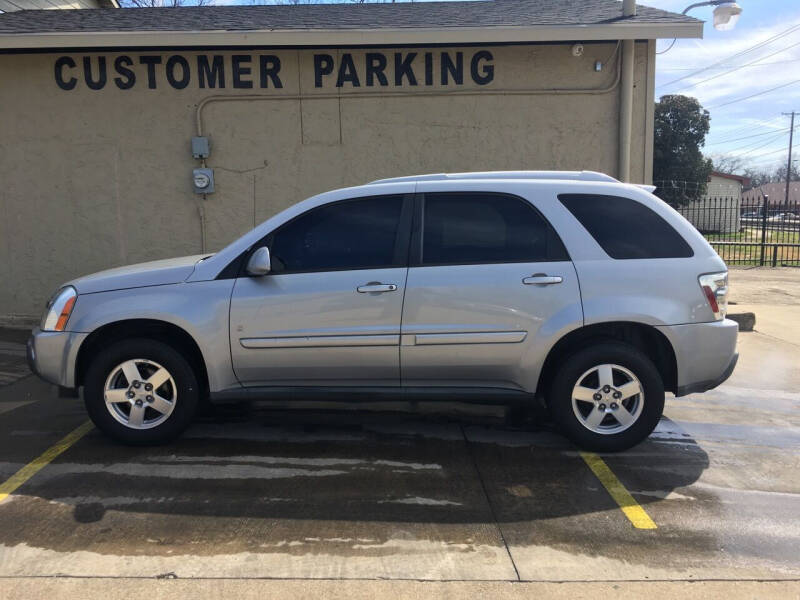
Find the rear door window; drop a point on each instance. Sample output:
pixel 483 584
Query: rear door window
pixel 479 227
pixel 625 228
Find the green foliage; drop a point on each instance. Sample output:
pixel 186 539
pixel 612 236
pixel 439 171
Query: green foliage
pixel 681 125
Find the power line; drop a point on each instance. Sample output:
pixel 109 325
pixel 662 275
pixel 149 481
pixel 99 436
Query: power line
pixel 774 62
pixel 769 153
pixel 756 94
pixel 748 136
pixel 754 148
pixel 750 126
pixel 733 70
pixel 738 54
pixel 750 148
pixel 769 161
pixel 764 162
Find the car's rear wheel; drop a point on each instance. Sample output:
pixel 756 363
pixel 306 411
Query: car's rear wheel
pixel 141 391
pixel 607 397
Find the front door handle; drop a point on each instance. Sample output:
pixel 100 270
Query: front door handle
pixel 542 279
pixel 375 286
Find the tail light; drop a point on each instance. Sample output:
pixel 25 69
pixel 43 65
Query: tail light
pixel 715 289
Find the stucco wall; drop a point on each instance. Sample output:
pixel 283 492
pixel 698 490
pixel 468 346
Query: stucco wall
pixel 97 178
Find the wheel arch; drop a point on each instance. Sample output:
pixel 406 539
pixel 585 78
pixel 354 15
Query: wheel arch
pixel 646 338
pixel 155 329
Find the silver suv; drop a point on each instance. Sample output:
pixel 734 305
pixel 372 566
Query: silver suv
pixel 570 288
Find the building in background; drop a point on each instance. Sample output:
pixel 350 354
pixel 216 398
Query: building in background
pixel 101 107
pixel 14 5
pixel 719 210
pixel 726 185
pixel 776 192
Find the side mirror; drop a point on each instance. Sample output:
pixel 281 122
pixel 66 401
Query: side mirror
pixel 259 263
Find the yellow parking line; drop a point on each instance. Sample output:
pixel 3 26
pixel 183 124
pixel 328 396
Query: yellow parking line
pixel 37 464
pixel 635 513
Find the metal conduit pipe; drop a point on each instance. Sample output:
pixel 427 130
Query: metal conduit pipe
pixel 201 212
pixel 626 99
pixel 432 94
pixel 625 111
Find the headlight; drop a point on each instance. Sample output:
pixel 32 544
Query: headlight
pixel 59 308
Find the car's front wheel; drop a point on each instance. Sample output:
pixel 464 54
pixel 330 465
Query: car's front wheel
pixel 607 397
pixel 141 391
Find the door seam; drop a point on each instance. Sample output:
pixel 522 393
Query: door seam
pixel 405 283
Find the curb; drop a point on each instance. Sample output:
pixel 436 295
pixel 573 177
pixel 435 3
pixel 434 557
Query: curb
pixel 746 320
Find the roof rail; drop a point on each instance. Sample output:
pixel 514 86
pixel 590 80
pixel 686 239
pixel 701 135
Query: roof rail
pixel 562 175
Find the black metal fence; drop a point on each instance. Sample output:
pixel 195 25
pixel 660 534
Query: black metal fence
pixel 766 233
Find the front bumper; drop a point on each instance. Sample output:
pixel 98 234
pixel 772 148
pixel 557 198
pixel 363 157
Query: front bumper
pixel 705 354
pixel 52 355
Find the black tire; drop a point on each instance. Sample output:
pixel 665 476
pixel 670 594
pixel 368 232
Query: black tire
pixel 611 352
pixel 109 358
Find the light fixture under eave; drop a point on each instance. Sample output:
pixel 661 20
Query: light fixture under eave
pixel 726 15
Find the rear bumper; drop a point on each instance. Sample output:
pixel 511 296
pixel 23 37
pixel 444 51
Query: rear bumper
pixel 704 386
pixel 52 355
pixel 705 354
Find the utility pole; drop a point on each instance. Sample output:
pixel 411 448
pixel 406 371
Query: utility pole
pixel 789 163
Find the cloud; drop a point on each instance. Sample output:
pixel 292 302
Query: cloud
pixel 717 86
pixel 696 54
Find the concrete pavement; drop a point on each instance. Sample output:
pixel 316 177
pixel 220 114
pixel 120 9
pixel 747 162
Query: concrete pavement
pixel 155 589
pixel 779 286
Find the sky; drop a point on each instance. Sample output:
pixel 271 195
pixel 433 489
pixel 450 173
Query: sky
pixel 751 129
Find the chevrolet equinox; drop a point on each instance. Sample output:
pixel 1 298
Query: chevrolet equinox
pixel 570 288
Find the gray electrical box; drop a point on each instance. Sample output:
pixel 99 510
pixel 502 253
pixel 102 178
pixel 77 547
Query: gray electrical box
pixel 200 147
pixel 203 181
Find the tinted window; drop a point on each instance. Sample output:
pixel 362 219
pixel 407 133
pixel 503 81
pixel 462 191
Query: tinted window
pixel 625 228
pixel 355 234
pixel 461 228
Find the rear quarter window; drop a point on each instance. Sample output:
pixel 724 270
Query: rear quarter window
pixel 625 228
pixel 485 228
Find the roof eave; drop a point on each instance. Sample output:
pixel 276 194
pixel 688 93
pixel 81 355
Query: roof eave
pixel 740 178
pixel 350 37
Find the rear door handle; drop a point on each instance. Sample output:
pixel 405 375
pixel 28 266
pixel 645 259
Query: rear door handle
pixel 374 286
pixel 541 279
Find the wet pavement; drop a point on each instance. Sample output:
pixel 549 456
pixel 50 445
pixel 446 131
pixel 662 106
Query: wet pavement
pixel 13 365
pixel 424 492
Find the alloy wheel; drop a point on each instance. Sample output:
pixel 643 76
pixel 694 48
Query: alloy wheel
pixel 607 399
pixel 140 393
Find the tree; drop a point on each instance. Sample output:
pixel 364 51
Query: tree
pixel 775 174
pixel 758 176
pixel 679 168
pixel 727 163
pixel 780 172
